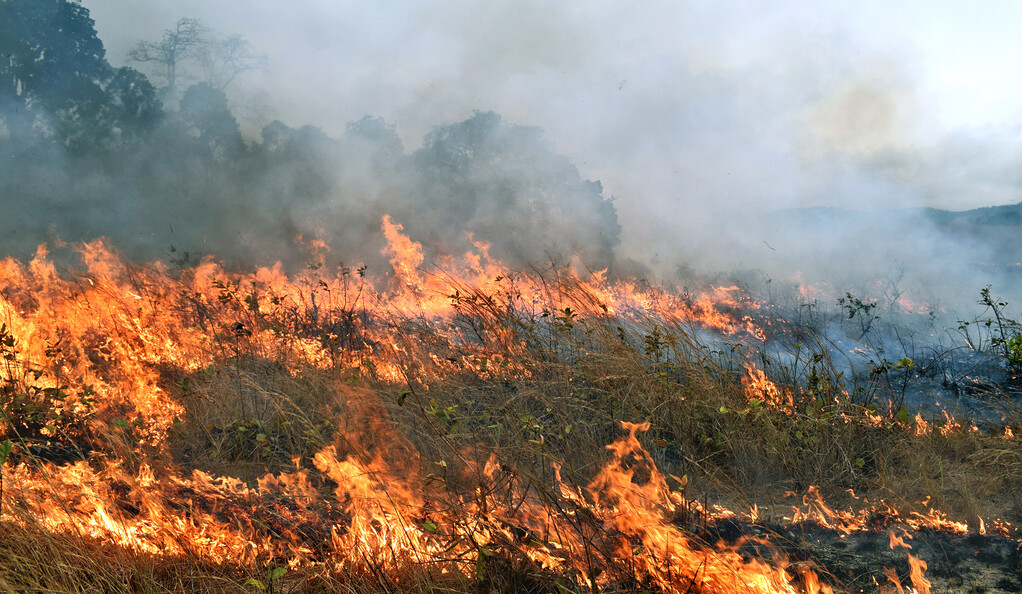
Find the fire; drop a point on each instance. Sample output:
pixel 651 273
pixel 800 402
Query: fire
pixel 102 359
pixel 899 541
pixel 114 326
pixel 917 567
pixel 759 387
pixel 815 509
pixel 920 583
pixel 637 511
pixel 922 427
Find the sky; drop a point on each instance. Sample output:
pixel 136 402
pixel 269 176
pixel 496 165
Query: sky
pixel 685 110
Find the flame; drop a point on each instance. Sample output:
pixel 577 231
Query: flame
pixel 899 541
pixel 922 427
pixel 116 325
pixel 114 341
pixel 917 570
pixel 917 567
pixel 815 509
pixel 759 387
pixel 892 576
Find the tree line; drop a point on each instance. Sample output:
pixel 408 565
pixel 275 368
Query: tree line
pixel 157 160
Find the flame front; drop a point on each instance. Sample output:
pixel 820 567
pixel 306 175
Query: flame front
pixel 101 359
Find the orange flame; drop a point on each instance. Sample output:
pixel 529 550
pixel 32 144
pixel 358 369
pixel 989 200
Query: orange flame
pixel 114 330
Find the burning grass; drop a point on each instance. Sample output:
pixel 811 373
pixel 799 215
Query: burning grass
pixel 460 428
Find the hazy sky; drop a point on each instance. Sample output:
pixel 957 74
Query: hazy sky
pixel 682 109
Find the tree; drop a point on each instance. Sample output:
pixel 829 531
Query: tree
pixel 189 45
pixel 205 110
pixel 223 60
pixel 372 145
pixel 54 76
pixel 133 98
pixel 166 55
pixel 504 184
pixel 48 48
pixel 300 164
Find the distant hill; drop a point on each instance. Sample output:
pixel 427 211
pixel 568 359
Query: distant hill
pixel 1010 215
pixel 1007 215
pixel 963 250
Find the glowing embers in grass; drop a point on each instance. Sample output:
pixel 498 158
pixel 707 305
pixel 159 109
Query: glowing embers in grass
pixel 87 344
pixel 479 286
pixel 619 529
pixel 113 324
pixel 950 426
pixel 385 516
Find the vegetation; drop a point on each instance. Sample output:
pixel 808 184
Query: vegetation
pixel 290 376
pixel 185 426
pixel 161 164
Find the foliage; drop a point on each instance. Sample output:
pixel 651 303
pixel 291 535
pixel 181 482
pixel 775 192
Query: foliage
pixel 34 406
pixel 995 331
pixel 484 173
pixel 89 147
pixel 858 309
pixel 204 110
pixel 1007 332
pixel 55 72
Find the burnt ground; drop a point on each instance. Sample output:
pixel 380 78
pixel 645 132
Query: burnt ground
pixel 972 563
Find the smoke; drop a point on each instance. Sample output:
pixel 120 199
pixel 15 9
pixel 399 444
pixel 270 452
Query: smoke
pixel 708 125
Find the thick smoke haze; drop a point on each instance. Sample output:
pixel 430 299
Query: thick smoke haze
pixel 707 123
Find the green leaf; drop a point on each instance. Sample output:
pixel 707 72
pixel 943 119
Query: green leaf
pixel 276 573
pixel 905 363
pixel 254 583
pixel 5 450
pixel 402 396
pixel 902 415
pixel 480 567
pixel 429 526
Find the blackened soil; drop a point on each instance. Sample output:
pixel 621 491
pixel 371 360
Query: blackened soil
pixel 972 563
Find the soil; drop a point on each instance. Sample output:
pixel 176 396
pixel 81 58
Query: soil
pixel 971 563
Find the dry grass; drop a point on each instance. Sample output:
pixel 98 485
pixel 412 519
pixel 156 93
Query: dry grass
pixel 533 390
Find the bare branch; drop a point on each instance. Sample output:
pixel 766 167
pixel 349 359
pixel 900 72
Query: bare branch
pixel 177 44
pixel 224 59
